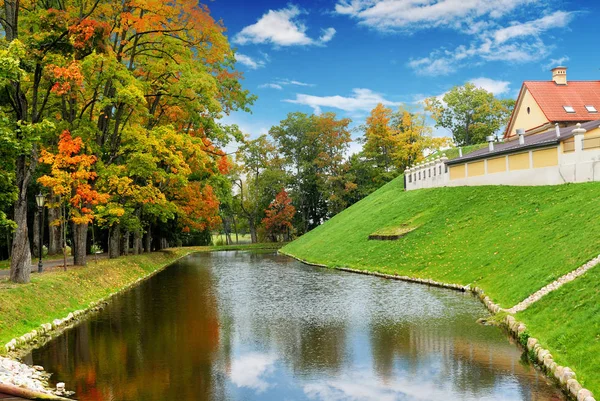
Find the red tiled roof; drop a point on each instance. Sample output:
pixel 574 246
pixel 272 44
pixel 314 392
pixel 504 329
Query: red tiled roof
pixel 552 97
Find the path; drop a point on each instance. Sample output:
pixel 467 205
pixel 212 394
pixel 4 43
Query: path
pixel 54 264
pixel 536 296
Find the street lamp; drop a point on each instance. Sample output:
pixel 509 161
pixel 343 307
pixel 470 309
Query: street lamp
pixel 39 199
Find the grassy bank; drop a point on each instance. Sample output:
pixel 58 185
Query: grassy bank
pixel 53 295
pixel 509 241
pixel 567 323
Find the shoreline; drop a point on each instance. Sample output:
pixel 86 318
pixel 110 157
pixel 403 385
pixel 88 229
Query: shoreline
pixel 562 376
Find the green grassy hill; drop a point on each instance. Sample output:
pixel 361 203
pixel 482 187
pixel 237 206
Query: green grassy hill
pixel 509 241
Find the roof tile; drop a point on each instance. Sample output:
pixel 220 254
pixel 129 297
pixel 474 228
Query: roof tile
pixel 552 98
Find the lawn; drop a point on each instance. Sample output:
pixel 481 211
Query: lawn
pixel 510 241
pixel 575 342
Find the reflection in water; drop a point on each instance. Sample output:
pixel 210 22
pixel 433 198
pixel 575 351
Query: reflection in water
pixel 241 326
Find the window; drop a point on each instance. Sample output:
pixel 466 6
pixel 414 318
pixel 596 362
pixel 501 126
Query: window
pixel 529 110
pixel 569 109
pixel 410 178
pixel 440 170
pixel 419 175
pixel 434 170
pixel 415 177
pixel 429 173
pixel 591 109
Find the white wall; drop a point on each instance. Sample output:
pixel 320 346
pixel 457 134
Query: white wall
pixel 578 166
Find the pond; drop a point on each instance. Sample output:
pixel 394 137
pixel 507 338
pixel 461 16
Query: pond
pixel 251 326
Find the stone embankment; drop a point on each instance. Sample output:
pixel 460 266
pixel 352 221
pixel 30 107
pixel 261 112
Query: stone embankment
pixel 564 376
pixel 19 379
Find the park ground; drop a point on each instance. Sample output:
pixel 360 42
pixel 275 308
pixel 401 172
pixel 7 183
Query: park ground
pixel 509 241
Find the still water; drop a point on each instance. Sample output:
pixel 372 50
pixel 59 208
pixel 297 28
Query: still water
pixel 244 326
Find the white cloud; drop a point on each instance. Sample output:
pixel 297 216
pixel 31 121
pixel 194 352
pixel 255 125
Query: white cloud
pixel 251 371
pixel 249 61
pixel 411 15
pixel 558 19
pixel 280 83
pixel 361 100
pixel 285 82
pixel 281 28
pixel 518 43
pixel 271 85
pixel 555 62
pixel 327 35
pixel 491 85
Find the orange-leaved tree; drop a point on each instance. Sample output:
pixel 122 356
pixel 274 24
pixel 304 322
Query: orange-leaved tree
pixel 279 215
pixel 71 177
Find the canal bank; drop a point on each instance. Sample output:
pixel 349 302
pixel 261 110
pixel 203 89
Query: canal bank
pixel 35 313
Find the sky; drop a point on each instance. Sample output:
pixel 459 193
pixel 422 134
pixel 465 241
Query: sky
pixel 346 56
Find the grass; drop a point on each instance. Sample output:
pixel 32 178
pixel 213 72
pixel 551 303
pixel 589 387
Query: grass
pixel 567 323
pixel 24 307
pixel 452 153
pixel 510 241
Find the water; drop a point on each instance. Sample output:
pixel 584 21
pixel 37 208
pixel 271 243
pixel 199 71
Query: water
pixel 243 326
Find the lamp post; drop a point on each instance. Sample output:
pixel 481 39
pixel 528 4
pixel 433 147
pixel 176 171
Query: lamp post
pixel 39 199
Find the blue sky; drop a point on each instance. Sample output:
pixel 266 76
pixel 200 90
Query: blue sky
pixel 348 55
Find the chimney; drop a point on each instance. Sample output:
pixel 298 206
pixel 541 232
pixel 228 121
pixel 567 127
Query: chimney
pixel 559 75
pixel 490 141
pixel 557 128
pixel 521 133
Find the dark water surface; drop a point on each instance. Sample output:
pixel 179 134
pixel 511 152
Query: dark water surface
pixel 243 326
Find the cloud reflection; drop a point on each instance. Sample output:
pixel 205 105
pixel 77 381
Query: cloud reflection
pixel 251 371
pixel 364 387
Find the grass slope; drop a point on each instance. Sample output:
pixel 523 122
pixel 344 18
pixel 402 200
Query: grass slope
pixel 510 241
pixel 567 323
pixel 52 295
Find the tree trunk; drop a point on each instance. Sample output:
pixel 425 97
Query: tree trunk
pixel 252 226
pixel 54 233
pixel 36 235
pixel 80 232
pixel 137 242
pixel 114 239
pixel 237 240
pixel 148 240
pixel 125 244
pixel 20 265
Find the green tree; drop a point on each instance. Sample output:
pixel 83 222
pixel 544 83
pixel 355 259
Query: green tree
pixel 313 149
pixel 470 113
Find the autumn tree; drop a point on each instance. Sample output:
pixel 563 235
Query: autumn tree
pixel 470 113
pixel 279 216
pixel 71 177
pixel 380 139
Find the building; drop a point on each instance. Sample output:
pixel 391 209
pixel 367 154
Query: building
pixel 556 156
pixel 542 104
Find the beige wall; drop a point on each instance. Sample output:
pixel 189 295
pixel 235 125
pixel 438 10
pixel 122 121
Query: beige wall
pixel 520 161
pixel 475 169
pixel 457 172
pixel 524 120
pixel 545 158
pixel 496 165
